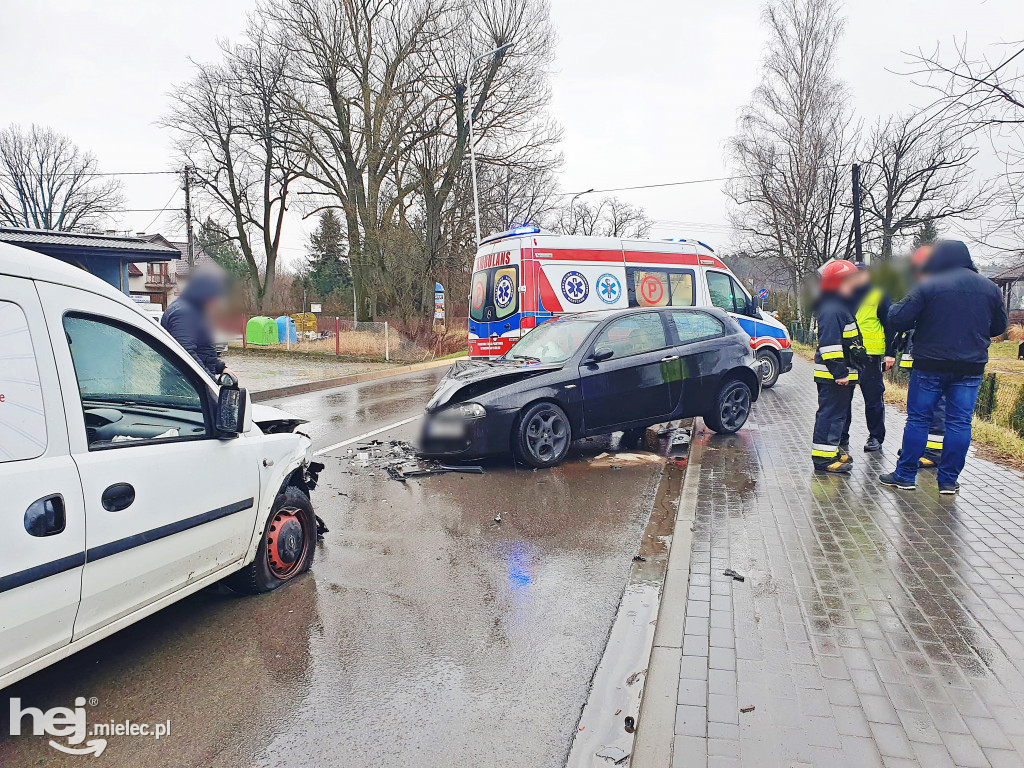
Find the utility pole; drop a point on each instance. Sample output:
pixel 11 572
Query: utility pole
pixel 857 244
pixel 190 255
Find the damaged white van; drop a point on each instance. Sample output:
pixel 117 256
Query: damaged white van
pixel 128 478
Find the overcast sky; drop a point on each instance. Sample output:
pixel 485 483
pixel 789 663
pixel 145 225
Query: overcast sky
pixel 647 91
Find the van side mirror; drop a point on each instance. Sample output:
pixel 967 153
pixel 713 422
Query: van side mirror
pixel 231 411
pixel 601 353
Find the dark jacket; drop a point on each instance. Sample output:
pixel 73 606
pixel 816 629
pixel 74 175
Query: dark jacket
pixel 954 312
pixel 186 322
pixel 838 339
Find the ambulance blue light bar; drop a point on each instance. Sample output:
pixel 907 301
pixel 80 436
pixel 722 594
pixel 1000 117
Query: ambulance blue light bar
pixel 706 246
pixel 526 229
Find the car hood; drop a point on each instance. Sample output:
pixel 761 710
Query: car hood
pixel 270 419
pixel 469 378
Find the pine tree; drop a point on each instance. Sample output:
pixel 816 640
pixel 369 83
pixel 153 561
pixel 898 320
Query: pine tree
pixel 926 235
pixel 327 265
pixel 214 240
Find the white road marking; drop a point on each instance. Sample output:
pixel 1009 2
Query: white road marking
pixel 365 435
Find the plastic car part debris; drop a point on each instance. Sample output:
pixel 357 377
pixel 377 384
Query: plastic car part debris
pixel 321 528
pixel 629 723
pixel 731 573
pixel 745 710
pixel 616 755
pixel 497 518
pixel 469 470
pixel 639 559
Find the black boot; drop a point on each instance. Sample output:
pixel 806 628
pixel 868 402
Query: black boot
pixel 872 445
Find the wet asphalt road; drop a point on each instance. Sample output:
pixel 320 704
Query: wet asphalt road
pixel 425 635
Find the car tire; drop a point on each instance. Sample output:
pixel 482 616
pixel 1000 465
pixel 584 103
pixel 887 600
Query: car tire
pixel 769 368
pixel 731 408
pixel 286 547
pixel 542 435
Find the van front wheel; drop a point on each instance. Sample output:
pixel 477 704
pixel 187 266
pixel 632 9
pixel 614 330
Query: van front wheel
pixel 286 549
pixel 769 368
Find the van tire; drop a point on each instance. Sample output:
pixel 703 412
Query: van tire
pixel 291 512
pixel 536 450
pixel 731 408
pixel 769 368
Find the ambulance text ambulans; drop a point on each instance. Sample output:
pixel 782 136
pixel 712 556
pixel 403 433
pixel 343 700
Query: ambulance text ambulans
pixel 524 276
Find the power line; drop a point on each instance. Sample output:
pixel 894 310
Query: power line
pixel 654 186
pixel 112 173
pixel 155 218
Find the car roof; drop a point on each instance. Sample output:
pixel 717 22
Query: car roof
pixel 604 314
pixel 21 262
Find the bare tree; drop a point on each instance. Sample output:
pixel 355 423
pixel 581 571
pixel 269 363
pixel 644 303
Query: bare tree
pixel 918 172
pixel 791 199
pixel 986 94
pixel 231 126
pixel 608 217
pixel 47 182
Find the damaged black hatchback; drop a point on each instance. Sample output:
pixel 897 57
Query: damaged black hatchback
pixel 594 373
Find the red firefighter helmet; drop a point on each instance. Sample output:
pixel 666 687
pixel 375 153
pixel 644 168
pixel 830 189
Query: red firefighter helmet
pixel 833 273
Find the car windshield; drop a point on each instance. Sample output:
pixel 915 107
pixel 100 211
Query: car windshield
pixel 554 341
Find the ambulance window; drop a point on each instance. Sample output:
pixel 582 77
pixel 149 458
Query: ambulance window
pixel 681 284
pixel 723 290
pixel 478 296
pixel 648 288
pixel 506 292
pixel 22 422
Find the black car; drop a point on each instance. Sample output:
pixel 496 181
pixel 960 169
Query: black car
pixel 595 373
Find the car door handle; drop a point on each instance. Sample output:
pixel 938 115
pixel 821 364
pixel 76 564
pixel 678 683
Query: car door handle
pixel 117 497
pixel 46 516
pixel 670 358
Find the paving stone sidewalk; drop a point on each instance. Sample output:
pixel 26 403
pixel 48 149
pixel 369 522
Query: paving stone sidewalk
pixel 874 627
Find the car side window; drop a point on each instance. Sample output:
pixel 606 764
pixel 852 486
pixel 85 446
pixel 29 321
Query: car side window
pixel 633 335
pixel 723 291
pixel 694 326
pixel 22 421
pixel 131 390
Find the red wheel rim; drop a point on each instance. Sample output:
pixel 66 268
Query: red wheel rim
pixel 286 543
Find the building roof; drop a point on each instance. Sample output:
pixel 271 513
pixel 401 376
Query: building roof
pixel 199 257
pixel 53 242
pixel 134 271
pixel 1009 274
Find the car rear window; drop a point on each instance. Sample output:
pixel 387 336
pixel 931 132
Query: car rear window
pixel 694 326
pixel 634 335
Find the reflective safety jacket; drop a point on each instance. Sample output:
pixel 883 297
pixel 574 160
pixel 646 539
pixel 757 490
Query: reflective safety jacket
pixel 839 340
pixel 904 345
pixel 872 311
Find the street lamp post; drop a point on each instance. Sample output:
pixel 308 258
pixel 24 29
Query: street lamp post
pixel 472 148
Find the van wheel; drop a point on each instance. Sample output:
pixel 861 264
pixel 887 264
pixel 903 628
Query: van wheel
pixel 731 409
pixel 769 368
pixel 542 436
pixel 286 549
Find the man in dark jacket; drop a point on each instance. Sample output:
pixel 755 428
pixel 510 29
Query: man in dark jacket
pixel 953 313
pixel 188 319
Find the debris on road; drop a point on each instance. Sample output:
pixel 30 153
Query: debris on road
pixel 400 460
pixel 639 559
pixel 627 458
pixel 735 576
pixel 497 518
pixel 617 755
pixel 746 710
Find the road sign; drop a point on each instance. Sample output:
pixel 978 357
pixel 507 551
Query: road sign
pixel 479 291
pixel 316 308
pixel 762 294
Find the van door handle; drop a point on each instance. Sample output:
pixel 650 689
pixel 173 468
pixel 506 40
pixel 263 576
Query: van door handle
pixel 46 516
pixel 670 358
pixel 117 497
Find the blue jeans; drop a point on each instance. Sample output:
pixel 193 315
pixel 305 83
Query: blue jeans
pixel 926 389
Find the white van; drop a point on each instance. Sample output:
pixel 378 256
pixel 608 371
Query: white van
pixel 524 276
pixel 128 478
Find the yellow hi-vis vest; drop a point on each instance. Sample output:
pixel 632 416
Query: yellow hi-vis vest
pixel 870 326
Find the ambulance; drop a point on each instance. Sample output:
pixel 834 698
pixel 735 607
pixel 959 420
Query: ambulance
pixel 525 276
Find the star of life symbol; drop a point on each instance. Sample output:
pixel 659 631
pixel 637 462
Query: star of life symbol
pixel 575 287
pixel 608 288
pixel 504 291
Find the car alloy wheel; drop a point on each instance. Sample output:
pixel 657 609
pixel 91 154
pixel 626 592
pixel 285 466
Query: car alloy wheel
pixel 735 408
pixel 547 435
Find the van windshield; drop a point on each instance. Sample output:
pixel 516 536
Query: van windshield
pixel 494 294
pixel 554 341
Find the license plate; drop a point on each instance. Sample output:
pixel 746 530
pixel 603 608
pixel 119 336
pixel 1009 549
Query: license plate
pixel 446 430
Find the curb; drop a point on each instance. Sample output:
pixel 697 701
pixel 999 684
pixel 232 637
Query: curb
pixel 340 381
pixel 656 723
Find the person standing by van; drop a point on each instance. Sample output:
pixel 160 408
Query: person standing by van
pixel 873 303
pixel 954 312
pixel 190 318
pixel 835 371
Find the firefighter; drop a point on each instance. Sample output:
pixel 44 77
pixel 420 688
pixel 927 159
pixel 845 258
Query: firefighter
pixel 835 367
pixel 873 304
